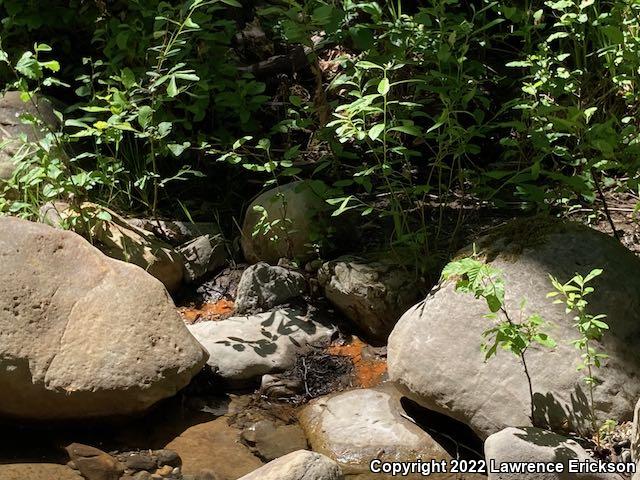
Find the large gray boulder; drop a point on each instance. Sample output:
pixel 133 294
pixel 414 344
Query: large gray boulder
pixel 262 287
pixel 434 350
pixel 357 426
pixel 83 335
pixel 300 465
pixel 295 214
pixel 241 349
pixel 13 129
pixel 512 446
pixel 372 294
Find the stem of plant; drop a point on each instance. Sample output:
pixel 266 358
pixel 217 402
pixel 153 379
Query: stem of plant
pixel 526 371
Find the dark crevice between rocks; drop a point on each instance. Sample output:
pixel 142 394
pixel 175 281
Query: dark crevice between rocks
pixel 458 439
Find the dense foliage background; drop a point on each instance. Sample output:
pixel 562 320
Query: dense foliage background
pixel 399 112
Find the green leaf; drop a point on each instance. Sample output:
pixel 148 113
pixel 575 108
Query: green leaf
pixel 408 129
pixel 365 65
pixel 494 303
pixel 172 88
pixel 384 86
pixel 376 130
pixel 144 116
pixel 178 148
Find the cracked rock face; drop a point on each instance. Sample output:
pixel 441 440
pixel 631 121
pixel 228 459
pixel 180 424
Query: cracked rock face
pixel 83 335
pixel 372 294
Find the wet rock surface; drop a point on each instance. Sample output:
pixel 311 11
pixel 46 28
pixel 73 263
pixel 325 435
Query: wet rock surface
pixel 214 447
pixel 356 426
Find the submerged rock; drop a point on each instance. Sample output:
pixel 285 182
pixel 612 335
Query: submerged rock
pixel 511 446
pixel 241 349
pixel 300 465
pixel 83 335
pixel 434 350
pixel 372 294
pixel 262 287
pixel 271 441
pixel 214 447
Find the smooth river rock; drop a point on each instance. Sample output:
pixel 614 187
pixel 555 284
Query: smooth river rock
pixel 300 465
pixel 83 335
pixel 516 445
pixel 434 350
pixel 242 349
pixel 357 426
pixel 298 207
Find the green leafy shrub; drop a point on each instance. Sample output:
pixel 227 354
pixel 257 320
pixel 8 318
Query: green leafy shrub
pixel 591 329
pixel 480 279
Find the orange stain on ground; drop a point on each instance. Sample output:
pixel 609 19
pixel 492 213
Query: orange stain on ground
pixel 207 311
pixel 368 372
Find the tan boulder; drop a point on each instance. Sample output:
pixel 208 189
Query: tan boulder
pixel 83 335
pixel 357 426
pixel 121 240
pixel 37 471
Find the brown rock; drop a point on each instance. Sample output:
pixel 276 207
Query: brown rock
pixel 94 464
pixel 83 335
pixel 120 240
pixel 37 471
pixel 272 441
pixel 164 471
pixel 215 447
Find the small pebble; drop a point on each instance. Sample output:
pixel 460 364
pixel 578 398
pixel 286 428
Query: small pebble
pixel 165 471
pixel 142 476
